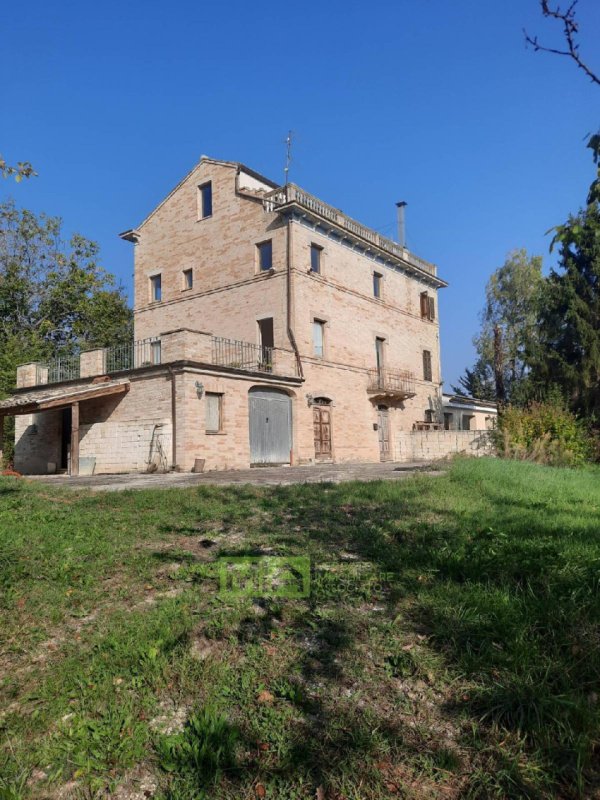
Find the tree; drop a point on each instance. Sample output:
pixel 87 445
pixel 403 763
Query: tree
pixel 477 382
pixel 55 299
pixel 22 170
pixel 509 320
pixel 569 340
pixel 570 31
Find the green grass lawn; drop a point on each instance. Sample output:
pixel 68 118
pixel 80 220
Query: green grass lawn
pixel 450 645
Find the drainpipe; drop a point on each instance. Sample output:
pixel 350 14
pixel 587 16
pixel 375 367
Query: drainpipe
pixel 290 331
pixel 173 419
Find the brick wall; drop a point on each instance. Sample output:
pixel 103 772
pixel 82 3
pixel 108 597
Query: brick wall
pixel 431 445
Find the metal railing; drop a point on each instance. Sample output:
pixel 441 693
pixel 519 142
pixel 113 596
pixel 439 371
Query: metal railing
pixel 143 353
pixel 57 370
pixel 294 194
pixel 392 381
pixel 241 355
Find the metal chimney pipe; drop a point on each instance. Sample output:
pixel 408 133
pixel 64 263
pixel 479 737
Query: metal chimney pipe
pixel 401 223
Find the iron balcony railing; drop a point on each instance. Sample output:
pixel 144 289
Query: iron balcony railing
pixel 391 381
pixel 290 193
pixel 143 353
pixel 241 355
pixel 57 370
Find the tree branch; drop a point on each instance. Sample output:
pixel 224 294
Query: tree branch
pixel 570 31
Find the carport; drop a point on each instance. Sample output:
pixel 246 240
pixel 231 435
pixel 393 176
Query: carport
pixel 66 398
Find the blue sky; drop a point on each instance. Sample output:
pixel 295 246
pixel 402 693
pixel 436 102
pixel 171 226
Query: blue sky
pixel 435 102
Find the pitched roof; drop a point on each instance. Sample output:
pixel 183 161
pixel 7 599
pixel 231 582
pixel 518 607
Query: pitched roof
pixel 47 397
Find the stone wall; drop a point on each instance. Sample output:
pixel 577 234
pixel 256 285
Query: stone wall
pixel 431 445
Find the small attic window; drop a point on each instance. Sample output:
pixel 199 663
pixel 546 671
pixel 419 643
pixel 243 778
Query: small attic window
pixel 205 200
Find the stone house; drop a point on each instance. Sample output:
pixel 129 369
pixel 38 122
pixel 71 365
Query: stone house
pixel 269 328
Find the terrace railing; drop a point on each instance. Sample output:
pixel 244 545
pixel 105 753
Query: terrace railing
pixel 57 370
pixel 122 357
pixel 290 193
pixel 241 355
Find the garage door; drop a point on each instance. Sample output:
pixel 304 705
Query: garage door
pixel 270 426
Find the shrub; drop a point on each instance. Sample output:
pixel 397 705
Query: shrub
pixel 544 432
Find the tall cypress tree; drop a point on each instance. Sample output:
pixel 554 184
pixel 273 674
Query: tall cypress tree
pixel 569 351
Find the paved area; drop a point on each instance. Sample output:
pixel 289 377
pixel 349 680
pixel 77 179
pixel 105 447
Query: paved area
pixel 258 476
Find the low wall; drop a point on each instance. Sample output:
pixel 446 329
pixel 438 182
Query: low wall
pixel 431 445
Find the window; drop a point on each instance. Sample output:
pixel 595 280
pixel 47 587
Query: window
pixel 205 200
pixel 188 278
pixel 467 421
pixel 265 255
pixel 155 350
pixel 315 258
pixel 427 307
pixel 448 421
pixel 427 373
pixel 155 288
pixel 429 415
pixel 214 412
pixel 377 279
pixel 318 338
pixel 379 342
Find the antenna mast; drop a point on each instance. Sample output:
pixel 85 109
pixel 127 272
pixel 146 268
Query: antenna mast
pixel 288 157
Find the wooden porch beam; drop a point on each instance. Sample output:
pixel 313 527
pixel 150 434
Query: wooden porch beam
pixel 74 439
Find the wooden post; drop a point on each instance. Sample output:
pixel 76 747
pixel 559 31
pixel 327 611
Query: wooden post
pixel 75 439
pixel 1 439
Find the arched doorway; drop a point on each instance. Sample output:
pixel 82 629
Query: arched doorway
pixel 270 422
pixel 321 407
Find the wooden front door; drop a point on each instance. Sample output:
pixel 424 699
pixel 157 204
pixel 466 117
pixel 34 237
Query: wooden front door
pixel 322 429
pixel 383 428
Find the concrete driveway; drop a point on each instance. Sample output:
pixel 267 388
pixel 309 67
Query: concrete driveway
pixel 257 476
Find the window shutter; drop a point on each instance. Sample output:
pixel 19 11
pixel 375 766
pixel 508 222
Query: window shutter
pixel 213 412
pixel 427 374
pixel 431 308
pixel 424 305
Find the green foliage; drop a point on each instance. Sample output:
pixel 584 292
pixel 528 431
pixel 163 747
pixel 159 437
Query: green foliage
pixel 477 382
pixel 513 296
pixel 544 432
pixel 200 753
pixel 55 299
pixel 569 340
pixel 23 169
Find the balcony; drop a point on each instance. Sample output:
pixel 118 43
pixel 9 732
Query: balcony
pixel 241 355
pixel 290 193
pixel 391 383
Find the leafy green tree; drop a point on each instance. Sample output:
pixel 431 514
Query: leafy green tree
pixel 477 382
pixel 569 339
pixel 508 334
pixel 55 298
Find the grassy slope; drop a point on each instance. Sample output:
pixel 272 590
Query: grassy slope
pixel 472 671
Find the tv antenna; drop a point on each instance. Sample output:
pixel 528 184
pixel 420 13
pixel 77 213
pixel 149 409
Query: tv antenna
pixel 288 156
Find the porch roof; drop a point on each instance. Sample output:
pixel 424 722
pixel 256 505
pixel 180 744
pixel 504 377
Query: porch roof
pixel 58 397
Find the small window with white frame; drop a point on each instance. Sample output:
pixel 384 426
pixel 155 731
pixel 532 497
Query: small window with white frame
pixel 155 288
pixel 188 278
pixel 214 412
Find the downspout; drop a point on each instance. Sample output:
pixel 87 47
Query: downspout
pixel 290 331
pixel 173 419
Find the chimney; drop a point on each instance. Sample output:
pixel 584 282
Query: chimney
pixel 401 223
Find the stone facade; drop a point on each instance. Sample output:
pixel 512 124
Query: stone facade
pixel 371 374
